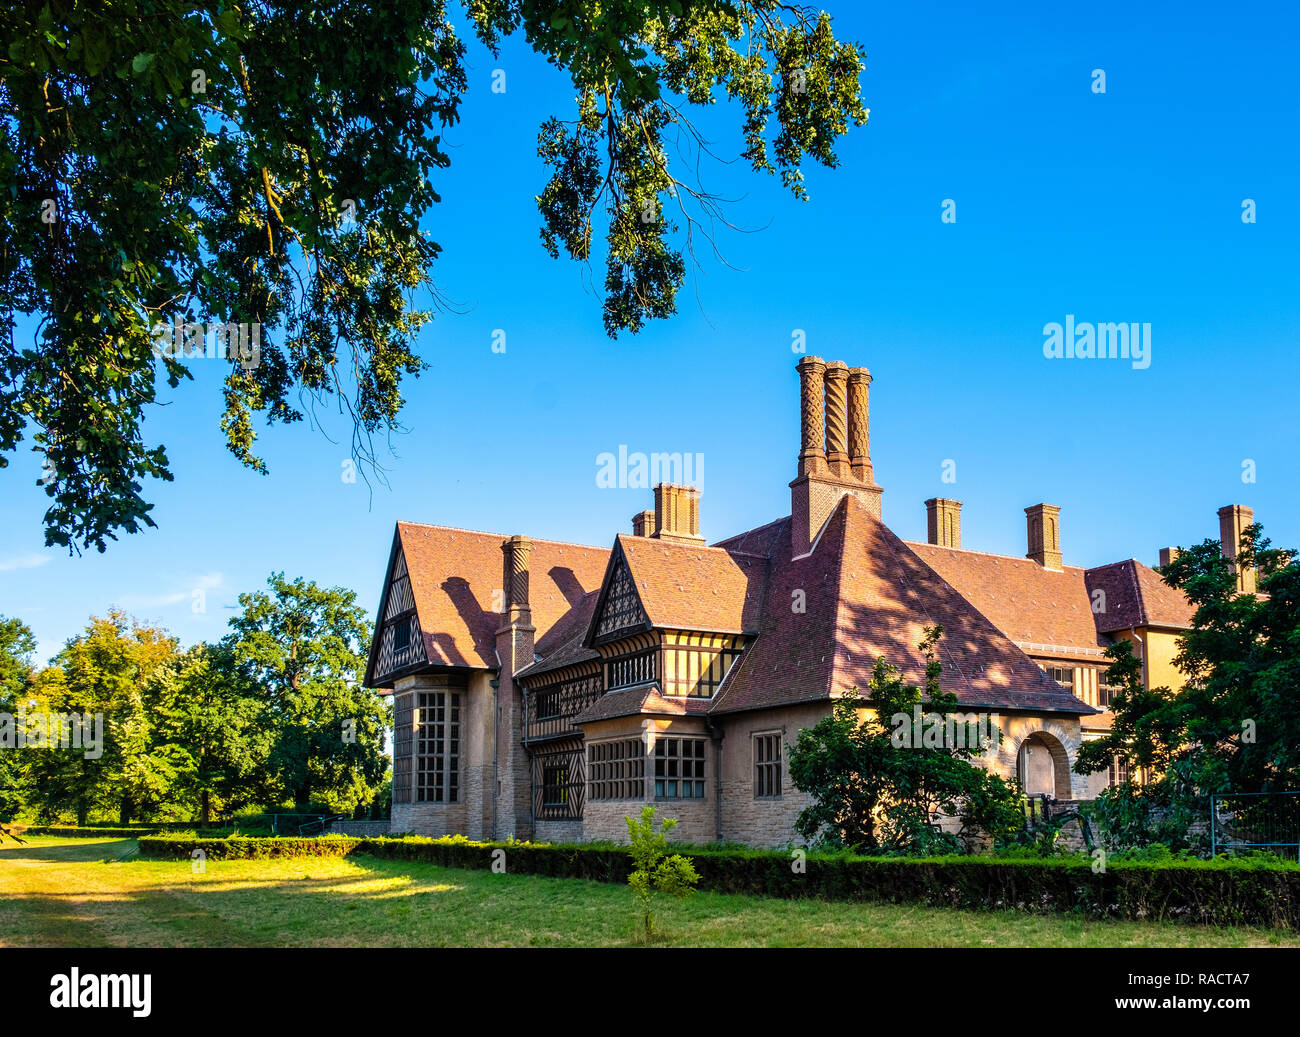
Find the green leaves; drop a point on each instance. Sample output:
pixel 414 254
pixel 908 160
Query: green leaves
pixel 656 871
pixel 197 156
pixel 872 795
pixel 303 648
pixel 627 63
pixel 1235 725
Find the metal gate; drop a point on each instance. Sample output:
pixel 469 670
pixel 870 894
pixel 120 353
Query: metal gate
pixel 1255 821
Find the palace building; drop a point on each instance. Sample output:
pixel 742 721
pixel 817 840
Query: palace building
pixel 547 690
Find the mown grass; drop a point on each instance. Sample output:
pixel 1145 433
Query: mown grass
pixel 61 892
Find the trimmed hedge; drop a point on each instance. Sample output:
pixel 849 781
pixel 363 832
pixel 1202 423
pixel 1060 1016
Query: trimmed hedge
pixel 102 832
pixel 1222 892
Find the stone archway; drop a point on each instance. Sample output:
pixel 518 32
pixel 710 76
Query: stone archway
pixel 1043 766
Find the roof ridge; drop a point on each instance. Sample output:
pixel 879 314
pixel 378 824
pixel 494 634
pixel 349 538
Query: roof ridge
pixel 841 506
pixel 503 536
pixel 749 532
pixel 689 547
pixel 991 554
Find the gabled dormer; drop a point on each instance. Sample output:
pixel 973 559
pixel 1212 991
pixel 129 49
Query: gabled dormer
pixel 398 644
pixel 674 614
pixel 619 611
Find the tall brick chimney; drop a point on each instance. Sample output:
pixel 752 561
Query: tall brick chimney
pixel 677 514
pixel 1167 555
pixel 812 415
pixel 859 425
pixel 515 650
pixel 943 522
pixel 1043 522
pixel 837 418
pixel 1233 519
pixel 834 447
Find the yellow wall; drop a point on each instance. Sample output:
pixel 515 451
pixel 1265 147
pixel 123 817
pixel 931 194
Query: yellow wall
pixel 1161 648
pixel 1157 649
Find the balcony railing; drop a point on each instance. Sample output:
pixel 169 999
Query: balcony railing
pixel 551 710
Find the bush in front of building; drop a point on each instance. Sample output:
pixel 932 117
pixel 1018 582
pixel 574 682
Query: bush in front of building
pixel 1246 891
pixel 879 776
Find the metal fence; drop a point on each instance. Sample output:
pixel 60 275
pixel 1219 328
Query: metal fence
pixel 1256 821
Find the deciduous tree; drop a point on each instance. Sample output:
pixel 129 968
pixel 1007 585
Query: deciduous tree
pixel 273 164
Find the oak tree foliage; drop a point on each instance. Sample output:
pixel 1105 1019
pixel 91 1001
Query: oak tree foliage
pixel 274 164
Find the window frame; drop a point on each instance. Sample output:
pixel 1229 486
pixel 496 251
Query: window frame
pixel 437 784
pixel 616 770
pixel 669 751
pixel 767 771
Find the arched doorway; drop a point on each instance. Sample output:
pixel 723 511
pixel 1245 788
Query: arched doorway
pixel 1043 766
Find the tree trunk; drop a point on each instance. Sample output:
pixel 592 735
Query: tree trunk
pixel 207 807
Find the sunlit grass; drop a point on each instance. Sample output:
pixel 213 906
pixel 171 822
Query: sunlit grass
pixel 72 892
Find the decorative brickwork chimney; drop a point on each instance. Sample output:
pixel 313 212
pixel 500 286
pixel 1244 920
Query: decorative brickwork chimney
pixel 515 650
pixel 837 419
pixel 812 416
pixel 859 424
pixel 943 522
pixel 677 514
pixel 643 524
pixel 1044 527
pixel 1233 519
pixel 834 454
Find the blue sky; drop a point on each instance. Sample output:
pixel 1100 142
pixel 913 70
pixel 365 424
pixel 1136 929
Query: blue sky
pixel 1122 206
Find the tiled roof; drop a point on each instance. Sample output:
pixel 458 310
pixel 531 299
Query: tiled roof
pixel 865 594
pixel 1028 603
pixel 1054 610
pixel 1136 596
pixel 454 573
pixel 642 698
pixel 565 643
pixel 692 587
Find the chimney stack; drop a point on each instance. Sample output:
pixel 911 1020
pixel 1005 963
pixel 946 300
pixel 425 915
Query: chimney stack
pixel 834 447
pixel 1167 555
pixel 837 418
pixel 1044 527
pixel 515 649
pixel 677 514
pixel 943 522
pixel 643 524
pixel 812 452
pixel 516 550
pixel 1233 519
pixel 859 425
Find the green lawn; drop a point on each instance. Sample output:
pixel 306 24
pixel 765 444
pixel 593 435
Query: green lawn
pixel 57 892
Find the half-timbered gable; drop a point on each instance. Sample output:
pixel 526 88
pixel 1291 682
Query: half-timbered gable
pixel 398 642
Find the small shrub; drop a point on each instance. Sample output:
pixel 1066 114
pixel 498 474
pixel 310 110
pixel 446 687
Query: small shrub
pixel 657 871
